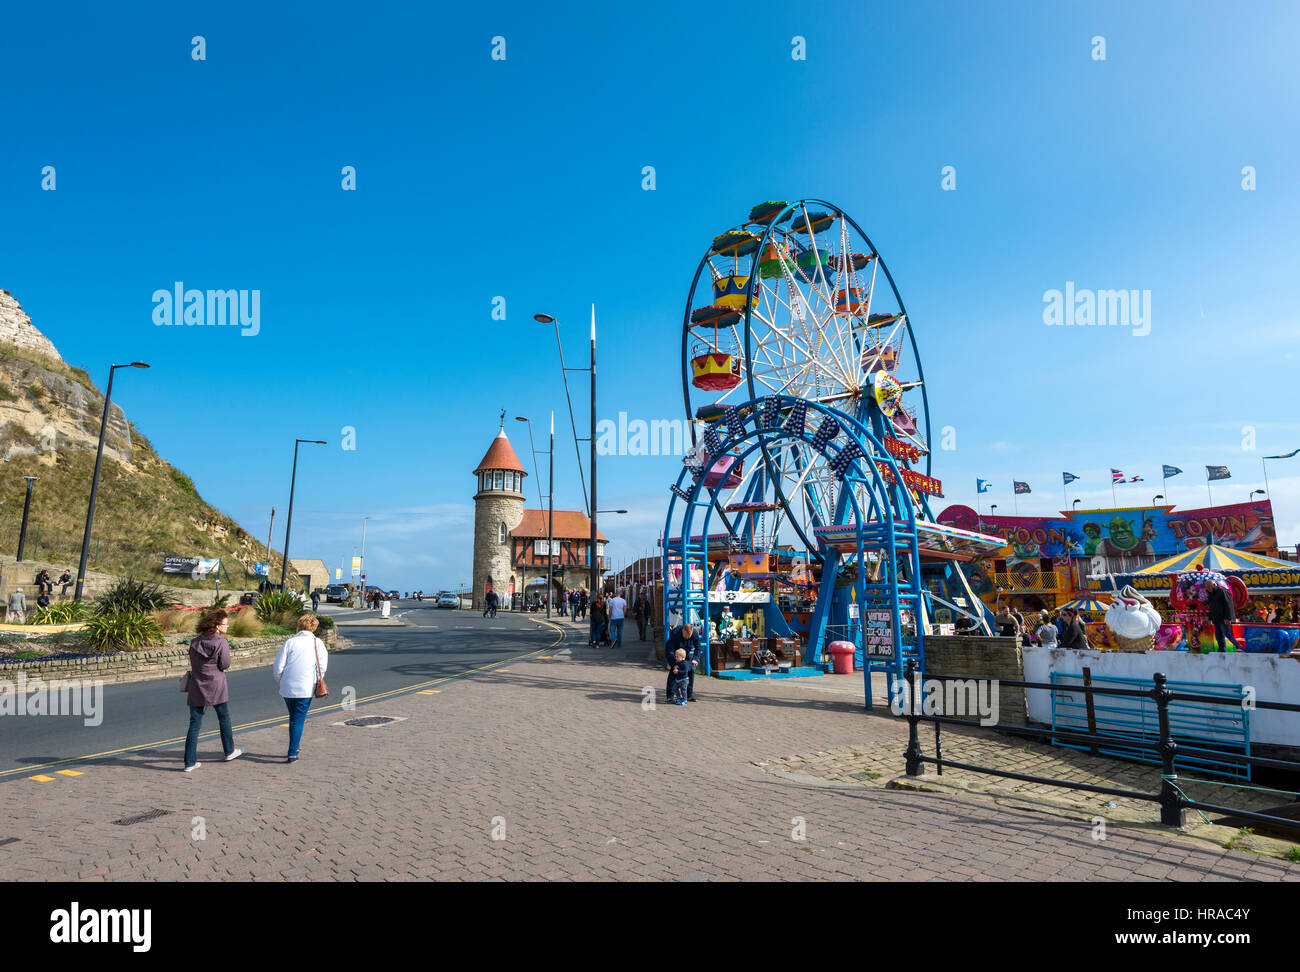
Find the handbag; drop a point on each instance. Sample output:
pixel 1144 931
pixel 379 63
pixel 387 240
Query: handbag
pixel 322 690
pixel 185 681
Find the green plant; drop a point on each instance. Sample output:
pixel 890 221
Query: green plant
pixel 184 482
pixel 174 619
pixel 62 612
pixel 276 606
pixel 222 601
pixel 279 630
pixel 123 631
pixel 129 595
pixel 1293 855
pixel 245 624
pixel 326 622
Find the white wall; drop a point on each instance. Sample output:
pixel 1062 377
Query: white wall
pixel 1275 678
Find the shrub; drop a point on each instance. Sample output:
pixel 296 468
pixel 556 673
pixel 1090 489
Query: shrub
pixel 62 612
pixel 184 482
pixel 123 631
pixel 276 606
pixel 174 619
pixel 130 596
pixel 245 624
pixel 280 630
pixel 326 622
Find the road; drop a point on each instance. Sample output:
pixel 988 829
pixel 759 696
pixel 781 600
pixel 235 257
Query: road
pixel 435 644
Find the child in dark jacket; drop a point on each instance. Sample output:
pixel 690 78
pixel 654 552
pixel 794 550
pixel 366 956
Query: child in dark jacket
pixel 679 677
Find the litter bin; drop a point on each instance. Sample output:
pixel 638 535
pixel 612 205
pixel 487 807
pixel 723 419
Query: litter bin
pixel 841 657
pixel 387 606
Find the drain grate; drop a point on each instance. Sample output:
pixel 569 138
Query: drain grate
pixel 7 841
pixel 141 818
pixel 368 721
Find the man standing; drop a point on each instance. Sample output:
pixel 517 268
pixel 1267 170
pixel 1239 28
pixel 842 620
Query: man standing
pixel 617 611
pixel 1222 614
pixel 17 612
pixel 641 611
pixel 582 604
pixel 315 601
pixel 692 641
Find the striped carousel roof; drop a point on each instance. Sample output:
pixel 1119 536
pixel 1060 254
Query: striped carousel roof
pixel 1212 556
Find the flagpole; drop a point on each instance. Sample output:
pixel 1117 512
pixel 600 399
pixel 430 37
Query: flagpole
pixel 1112 490
pixel 1015 497
pixel 1207 485
pixel 1065 497
pixel 1264 462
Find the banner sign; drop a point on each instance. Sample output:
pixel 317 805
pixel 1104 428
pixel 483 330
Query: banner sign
pixel 179 565
pixel 901 451
pixel 915 481
pixel 1256 581
pixel 1137 530
pixel 259 570
pixel 356 567
pixel 739 597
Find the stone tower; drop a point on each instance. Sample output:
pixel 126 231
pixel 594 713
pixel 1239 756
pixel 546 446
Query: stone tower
pixel 498 508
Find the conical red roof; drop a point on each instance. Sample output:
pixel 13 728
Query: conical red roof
pixel 500 455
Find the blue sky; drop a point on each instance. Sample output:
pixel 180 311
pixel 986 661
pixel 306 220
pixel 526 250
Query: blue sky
pixel 522 179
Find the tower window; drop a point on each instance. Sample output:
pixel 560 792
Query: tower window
pixel 498 479
pixel 503 532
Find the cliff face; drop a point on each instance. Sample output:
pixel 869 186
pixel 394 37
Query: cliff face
pixel 145 509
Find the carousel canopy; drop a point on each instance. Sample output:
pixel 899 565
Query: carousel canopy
pixel 1212 556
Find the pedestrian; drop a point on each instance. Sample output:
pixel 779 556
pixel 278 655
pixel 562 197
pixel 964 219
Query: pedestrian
pixel 1058 619
pixel 1222 614
pixel 1006 622
pixel 43 584
pixel 679 674
pixel 42 600
pixel 490 603
pixel 641 611
pixel 299 671
pixel 690 641
pixel 583 601
pixel 617 611
pixel 209 659
pixel 1072 636
pixel 599 620
pixel 1046 632
pixel 315 601
pixel 560 602
pixel 66 580
pixel 17 609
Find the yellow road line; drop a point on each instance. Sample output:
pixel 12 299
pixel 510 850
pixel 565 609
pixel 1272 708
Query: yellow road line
pixel 264 723
pixel 70 773
pixel 42 779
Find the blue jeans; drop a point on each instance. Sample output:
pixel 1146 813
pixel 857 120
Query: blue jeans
pixel 297 719
pixel 196 724
pixel 597 631
pixel 616 632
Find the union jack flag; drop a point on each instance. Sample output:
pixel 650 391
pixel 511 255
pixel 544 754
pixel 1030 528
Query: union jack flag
pixel 1116 477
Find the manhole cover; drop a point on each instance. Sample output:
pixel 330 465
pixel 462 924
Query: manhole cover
pixel 141 818
pixel 369 721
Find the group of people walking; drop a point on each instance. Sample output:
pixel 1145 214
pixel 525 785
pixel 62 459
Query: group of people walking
pixel 1058 629
pixel 299 671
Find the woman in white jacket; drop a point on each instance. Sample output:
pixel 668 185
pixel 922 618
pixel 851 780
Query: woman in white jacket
pixel 300 664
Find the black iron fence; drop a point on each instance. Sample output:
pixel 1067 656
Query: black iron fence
pixel 1173 802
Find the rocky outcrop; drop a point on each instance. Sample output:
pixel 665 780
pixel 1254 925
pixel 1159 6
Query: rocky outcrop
pixel 17 328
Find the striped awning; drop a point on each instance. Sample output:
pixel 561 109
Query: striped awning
pixel 1214 557
pixel 1086 604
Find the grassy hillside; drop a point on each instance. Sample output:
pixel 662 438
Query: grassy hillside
pixel 144 510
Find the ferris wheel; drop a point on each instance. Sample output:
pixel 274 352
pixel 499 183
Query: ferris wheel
pixel 798 302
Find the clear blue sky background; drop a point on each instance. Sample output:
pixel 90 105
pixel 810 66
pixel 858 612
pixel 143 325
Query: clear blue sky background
pixel 522 179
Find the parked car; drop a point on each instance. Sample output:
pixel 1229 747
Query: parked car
pixel 336 594
pixel 448 601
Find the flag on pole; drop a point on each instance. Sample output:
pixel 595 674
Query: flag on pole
pixel 1168 471
pixel 1217 472
pixel 1068 478
pixel 1116 476
pixel 1133 479
pixel 982 485
pixel 1288 455
pixel 1020 487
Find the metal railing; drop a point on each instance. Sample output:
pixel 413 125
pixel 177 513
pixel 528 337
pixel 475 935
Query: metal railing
pixel 1173 802
pixel 1031 580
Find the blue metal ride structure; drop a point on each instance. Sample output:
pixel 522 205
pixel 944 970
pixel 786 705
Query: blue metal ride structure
pixel 811 345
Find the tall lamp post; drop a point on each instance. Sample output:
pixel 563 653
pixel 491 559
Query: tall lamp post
pixel 1158 496
pixel 1249 499
pixel 94 480
pixel 594 579
pixel 288 520
pixel 27 505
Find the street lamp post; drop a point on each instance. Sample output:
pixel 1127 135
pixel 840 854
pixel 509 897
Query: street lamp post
pixel 1076 504
pixel 27 505
pixel 1158 496
pixel 1254 493
pixel 591 505
pixel 94 480
pixel 288 520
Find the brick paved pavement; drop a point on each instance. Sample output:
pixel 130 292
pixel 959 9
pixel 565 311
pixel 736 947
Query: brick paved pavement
pixel 560 753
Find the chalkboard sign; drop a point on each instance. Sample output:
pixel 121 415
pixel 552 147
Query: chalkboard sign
pixel 878 636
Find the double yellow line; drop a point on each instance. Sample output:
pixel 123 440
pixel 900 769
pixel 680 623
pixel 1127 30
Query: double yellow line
pixel 277 720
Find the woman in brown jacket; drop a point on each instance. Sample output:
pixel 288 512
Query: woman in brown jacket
pixel 209 659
